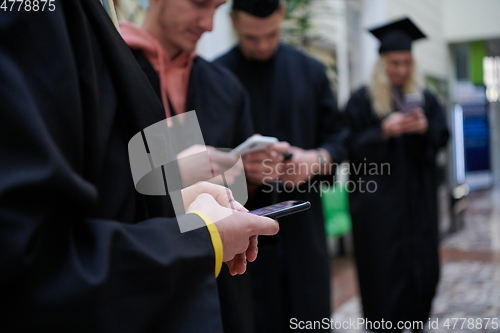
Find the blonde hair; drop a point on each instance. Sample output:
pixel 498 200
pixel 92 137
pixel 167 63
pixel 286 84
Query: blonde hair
pixel 380 87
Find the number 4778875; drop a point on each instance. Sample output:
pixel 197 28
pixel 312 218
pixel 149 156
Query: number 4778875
pixel 28 5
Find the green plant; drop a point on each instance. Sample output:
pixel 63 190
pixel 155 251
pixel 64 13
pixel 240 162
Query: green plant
pixel 298 22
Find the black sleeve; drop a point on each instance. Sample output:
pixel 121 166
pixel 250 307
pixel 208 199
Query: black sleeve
pixel 438 130
pixel 365 137
pixel 427 145
pixel 66 265
pixel 331 123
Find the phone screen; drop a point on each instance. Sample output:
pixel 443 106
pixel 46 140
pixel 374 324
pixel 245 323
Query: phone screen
pixel 411 101
pixel 282 209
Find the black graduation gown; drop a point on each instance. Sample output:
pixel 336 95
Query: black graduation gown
pixel 395 228
pixel 80 250
pixel 291 99
pixel 222 108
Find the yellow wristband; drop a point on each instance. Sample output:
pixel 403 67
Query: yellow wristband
pixel 216 240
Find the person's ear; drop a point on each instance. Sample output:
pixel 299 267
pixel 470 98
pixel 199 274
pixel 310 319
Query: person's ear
pixel 282 11
pixel 234 17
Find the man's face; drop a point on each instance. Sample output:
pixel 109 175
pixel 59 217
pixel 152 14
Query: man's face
pixel 399 65
pixel 259 37
pixel 179 24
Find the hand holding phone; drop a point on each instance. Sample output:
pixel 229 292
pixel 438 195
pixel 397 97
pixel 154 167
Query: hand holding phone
pixel 254 143
pixel 282 209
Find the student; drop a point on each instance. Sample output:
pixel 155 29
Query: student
pixel 393 145
pixel 292 100
pixel 164 46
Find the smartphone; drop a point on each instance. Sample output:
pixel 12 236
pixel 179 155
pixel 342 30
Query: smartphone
pixel 254 143
pixel 411 101
pixel 282 209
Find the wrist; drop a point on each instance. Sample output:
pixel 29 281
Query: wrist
pixel 385 132
pixel 215 238
pixel 324 161
pixel 383 129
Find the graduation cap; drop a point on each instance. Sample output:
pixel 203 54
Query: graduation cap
pixel 397 35
pixel 259 8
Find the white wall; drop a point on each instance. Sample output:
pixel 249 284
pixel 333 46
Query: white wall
pixel 373 13
pixel 221 38
pixel 431 54
pixel 330 26
pixel 468 20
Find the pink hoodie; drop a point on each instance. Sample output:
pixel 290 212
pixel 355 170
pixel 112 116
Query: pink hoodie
pixel 173 74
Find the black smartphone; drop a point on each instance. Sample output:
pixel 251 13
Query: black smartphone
pixel 282 209
pixel 287 156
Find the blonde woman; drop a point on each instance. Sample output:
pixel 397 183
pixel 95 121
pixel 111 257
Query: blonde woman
pixel 396 129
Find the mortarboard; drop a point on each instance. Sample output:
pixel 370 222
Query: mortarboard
pixel 259 8
pixel 397 35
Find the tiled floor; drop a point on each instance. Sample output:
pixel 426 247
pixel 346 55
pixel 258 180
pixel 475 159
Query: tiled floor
pixel 470 274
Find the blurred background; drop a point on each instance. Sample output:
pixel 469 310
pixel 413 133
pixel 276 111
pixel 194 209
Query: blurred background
pixel 460 61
